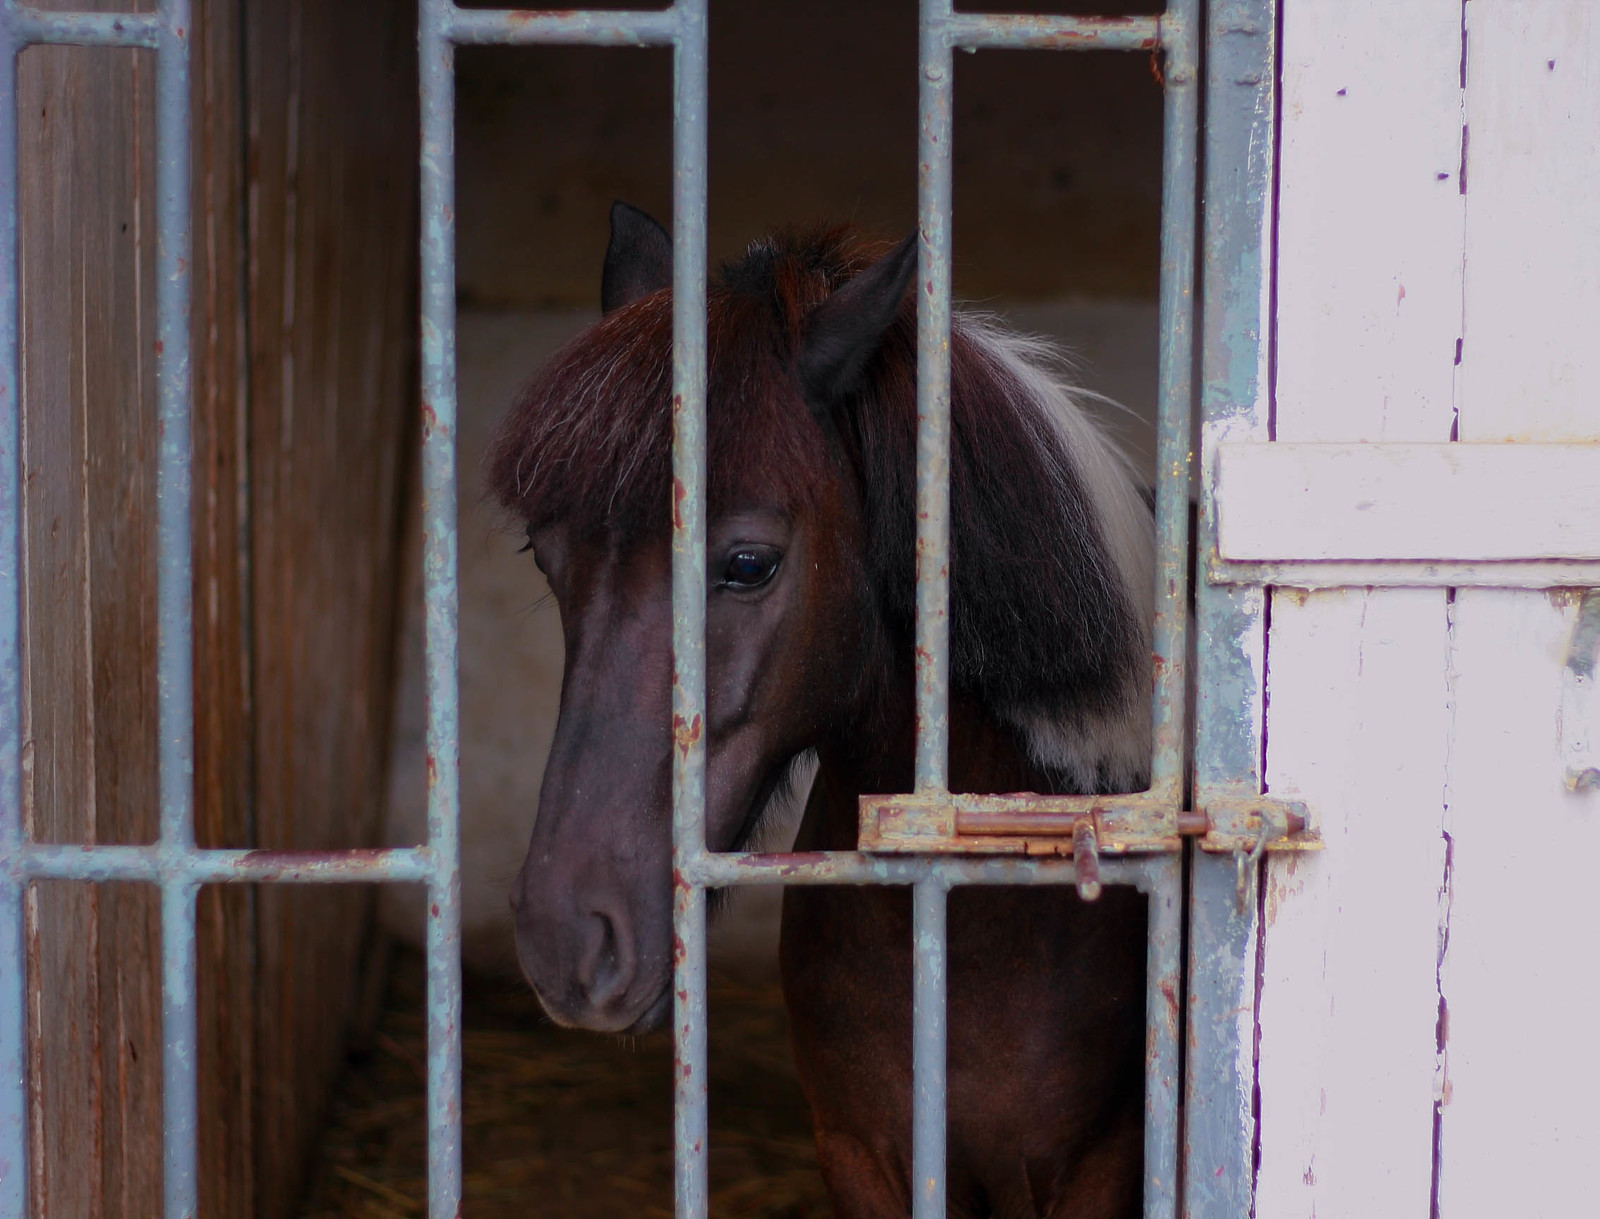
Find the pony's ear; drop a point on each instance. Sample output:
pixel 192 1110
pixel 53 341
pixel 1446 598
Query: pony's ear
pixel 844 331
pixel 638 260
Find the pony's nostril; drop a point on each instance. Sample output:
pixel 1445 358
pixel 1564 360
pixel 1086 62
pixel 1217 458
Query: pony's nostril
pixel 604 973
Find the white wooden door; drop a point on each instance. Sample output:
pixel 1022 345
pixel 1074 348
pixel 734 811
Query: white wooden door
pixel 1428 982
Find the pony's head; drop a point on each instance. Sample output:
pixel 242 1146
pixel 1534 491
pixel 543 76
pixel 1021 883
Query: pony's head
pixel 810 543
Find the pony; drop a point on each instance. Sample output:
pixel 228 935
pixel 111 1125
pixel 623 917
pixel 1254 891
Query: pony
pixel 811 409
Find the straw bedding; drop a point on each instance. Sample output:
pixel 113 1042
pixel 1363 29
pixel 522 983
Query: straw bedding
pixel 565 1124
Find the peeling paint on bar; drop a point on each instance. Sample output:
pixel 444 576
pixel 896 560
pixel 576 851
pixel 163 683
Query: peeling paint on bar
pixel 928 1017
pixel 31 25
pixel 527 27
pixel 935 108
pixel 690 1136
pixel 155 864
pixel 1220 1124
pixel 976 31
pixel 436 69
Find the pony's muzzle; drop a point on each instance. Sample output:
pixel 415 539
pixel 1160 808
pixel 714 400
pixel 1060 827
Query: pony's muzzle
pixel 584 963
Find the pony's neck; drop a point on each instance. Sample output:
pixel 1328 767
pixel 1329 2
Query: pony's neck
pixel 986 755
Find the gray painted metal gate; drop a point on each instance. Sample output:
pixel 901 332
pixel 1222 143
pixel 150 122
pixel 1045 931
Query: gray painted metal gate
pixel 1116 840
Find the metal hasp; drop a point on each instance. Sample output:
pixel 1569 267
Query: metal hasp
pixel 1027 823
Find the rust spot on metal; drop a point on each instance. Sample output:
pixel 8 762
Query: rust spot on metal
pixel 433 771
pixel 679 494
pixel 160 346
pixel 1171 997
pixel 434 909
pixel 686 733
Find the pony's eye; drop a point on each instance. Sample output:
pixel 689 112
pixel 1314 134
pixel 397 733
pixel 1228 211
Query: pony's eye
pixel 750 567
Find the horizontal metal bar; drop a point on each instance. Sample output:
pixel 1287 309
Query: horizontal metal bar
pixel 576 27
pixel 1405 573
pixel 155 863
pixel 984 31
pixel 717 871
pixel 30 25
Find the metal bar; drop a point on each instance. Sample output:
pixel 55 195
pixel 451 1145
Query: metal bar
pixel 935 102
pixel 1219 1115
pixel 853 868
pixel 928 1063
pixel 13 955
pixel 979 31
pixel 1180 154
pixel 174 571
pixel 1163 1025
pixel 443 938
pixel 154 864
pixel 525 27
pixel 174 611
pixel 691 1153
pixel 180 1122
pixel 30 25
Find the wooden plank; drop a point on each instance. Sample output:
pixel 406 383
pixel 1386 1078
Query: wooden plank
pixel 1470 502
pixel 1519 1133
pixel 331 94
pixel 87 403
pixel 224 727
pixel 1368 313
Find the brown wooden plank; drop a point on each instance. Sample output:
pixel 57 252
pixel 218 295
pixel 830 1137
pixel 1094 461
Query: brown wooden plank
pixel 87 397
pixel 224 734
pixel 332 157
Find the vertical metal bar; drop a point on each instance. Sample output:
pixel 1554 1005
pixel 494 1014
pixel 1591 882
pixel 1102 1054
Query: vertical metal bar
pixel 935 98
pixel 689 606
pixel 180 1131
pixel 174 616
pixel 13 957
pixel 929 907
pixel 1180 29
pixel 935 106
pixel 1180 39
pixel 1239 151
pixel 1163 1019
pixel 437 82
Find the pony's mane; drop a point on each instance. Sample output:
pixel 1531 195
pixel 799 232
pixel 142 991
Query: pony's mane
pixel 1051 541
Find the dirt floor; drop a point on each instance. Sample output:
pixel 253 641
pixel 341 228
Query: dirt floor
pixel 570 1125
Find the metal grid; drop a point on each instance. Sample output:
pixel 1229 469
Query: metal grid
pixel 1238 159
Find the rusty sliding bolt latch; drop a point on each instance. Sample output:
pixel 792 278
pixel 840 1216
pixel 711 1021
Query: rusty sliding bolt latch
pixel 1028 823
